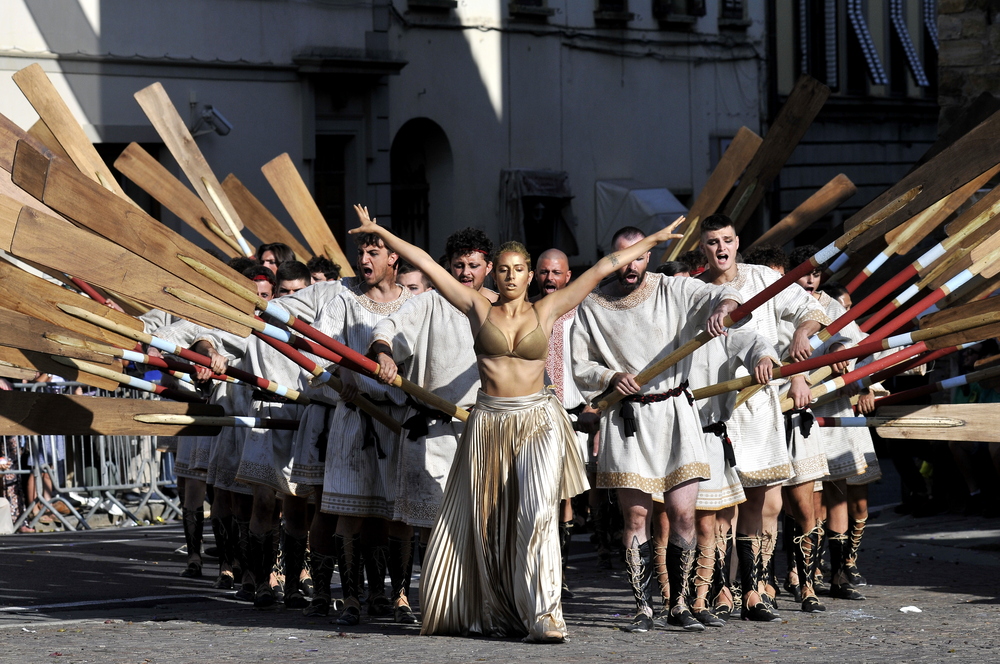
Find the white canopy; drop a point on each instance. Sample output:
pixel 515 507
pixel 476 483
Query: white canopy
pixel 632 203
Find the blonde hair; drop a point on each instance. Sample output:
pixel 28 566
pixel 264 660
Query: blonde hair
pixel 512 247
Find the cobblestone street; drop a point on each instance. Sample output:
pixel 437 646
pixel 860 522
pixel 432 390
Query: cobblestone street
pixel 114 596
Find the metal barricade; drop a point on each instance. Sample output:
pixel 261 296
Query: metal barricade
pixel 87 475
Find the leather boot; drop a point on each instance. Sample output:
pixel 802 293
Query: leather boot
pixel 751 570
pixel 640 576
pixel 222 528
pixel 260 551
pixel 322 572
pixel 246 592
pixel 194 523
pixel 840 584
pixel 376 563
pixel 348 550
pixel 294 559
pixel 791 534
pixel 680 564
pixel 400 560
pixel 855 531
pixel 819 585
pixel 805 560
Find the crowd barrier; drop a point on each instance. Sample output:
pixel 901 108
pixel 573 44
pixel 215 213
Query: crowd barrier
pixel 120 476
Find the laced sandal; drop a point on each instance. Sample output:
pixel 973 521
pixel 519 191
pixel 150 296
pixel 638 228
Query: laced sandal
pixel 840 585
pixel 349 617
pixel 702 581
pixel 805 560
pixel 639 567
pixel 855 531
pixel 751 570
pixel 403 614
pixel 225 581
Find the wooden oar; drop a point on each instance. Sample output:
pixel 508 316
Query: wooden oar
pixel 29 333
pixel 610 397
pixel 793 120
pixel 150 175
pixel 182 370
pixel 323 376
pixel 167 121
pixel 41 131
pixel 825 200
pixel 972 222
pixel 276 338
pixel 294 195
pixel 43 363
pixel 966 158
pixel 185 353
pixel 230 224
pixel 980 422
pixel 732 163
pixel 129 381
pixel 34 413
pixel 351 359
pixel 939 386
pixel 61 187
pixel 960 311
pixel 63 247
pixel 44 98
pixel 974 334
pixel 218 421
pixel 259 219
pixel 880 422
pixel 36 297
pixel 10 134
pixel 931 338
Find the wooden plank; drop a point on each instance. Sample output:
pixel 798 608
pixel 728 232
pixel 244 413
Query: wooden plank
pixel 794 118
pixel 259 219
pixel 731 165
pixel 153 177
pixel 826 199
pixel 287 182
pixel 95 259
pixel 59 186
pixel 969 156
pixel 982 422
pixel 44 363
pixel 955 200
pixel 27 333
pixel 10 134
pixel 17 373
pixel 960 311
pixel 170 126
pixel 27 413
pixel 33 296
pixel 52 109
pixel 41 131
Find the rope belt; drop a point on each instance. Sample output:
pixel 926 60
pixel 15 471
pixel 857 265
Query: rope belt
pixel 417 425
pixel 628 412
pixel 719 429
pixel 369 435
pixel 270 397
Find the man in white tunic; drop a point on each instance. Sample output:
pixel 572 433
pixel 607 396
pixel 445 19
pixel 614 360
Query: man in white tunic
pixel 762 458
pixel 431 344
pixel 362 454
pixel 652 441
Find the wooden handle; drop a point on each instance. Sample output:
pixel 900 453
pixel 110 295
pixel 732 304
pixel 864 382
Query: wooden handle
pixel 828 198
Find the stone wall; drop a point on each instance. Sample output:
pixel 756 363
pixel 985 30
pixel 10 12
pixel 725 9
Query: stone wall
pixel 969 57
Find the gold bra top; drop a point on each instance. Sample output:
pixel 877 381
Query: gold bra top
pixel 492 342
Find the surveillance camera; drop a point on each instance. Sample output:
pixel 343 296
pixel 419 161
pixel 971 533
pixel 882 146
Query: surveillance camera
pixel 216 120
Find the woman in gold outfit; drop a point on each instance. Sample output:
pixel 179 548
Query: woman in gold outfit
pixel 492 565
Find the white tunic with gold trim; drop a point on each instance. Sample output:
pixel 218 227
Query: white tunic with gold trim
pixel 625 334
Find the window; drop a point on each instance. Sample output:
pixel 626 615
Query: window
pixel 612 13
pixel 678 11
pixel 530 9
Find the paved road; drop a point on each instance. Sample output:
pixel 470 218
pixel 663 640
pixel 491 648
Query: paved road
pixel 115 596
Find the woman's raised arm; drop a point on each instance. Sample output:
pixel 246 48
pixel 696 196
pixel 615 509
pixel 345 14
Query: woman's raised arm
pixel 559 302
pixel 465 299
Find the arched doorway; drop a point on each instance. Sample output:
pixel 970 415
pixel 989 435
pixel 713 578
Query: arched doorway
pixel 421 169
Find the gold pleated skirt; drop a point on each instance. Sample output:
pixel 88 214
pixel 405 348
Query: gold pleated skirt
pixel 493 565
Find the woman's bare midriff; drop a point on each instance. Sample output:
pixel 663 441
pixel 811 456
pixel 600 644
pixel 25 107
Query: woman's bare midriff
pixel 511 376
